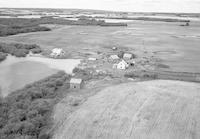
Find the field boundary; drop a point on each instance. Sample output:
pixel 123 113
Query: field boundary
pixel 170 75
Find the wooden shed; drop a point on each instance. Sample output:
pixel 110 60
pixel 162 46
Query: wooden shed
pixel 76 83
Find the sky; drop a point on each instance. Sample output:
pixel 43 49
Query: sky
pixel 186 6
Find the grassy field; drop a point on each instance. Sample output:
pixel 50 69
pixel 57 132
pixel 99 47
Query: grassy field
pixel 175 46
pixel 142 110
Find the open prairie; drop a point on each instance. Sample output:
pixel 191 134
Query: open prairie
pixel 175 45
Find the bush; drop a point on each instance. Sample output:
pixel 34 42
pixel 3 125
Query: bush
pixel 27 112
pixel 44 136
pixel 2 56
pixel 121 54
pixel 18 49
pixel 36 50
pixel 13 30
pixel 131 75
pixel 20 52
pixel 146 75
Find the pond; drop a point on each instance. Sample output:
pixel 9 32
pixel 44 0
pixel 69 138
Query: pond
pixel 15 73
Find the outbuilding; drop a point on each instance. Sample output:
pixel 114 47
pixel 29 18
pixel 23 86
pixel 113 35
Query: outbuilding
pixel 127 56
pixel 114 48
pixel 114 57
pixel 57 52
pixel 92 59
pixel 76 83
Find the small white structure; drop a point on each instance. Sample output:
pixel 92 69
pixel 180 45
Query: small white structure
pixel 92 59
pixel 76 83
pixel 57 52
pixel 114 57
pixel 114 48
pixel 121 65
pixel 127 56
pixel 114 66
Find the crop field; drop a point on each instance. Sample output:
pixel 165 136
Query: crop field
pixel 143 110
pixel 174 45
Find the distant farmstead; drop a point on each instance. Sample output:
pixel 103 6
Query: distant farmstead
pixel 76 83
pixel 57 52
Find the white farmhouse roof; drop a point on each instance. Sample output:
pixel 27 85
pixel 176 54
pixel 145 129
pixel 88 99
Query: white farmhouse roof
pixel 127 56
pixel 76 81
pixel 122 65
pixel 124 62
pixel 57 50
pixel 114 57
pixel 92 59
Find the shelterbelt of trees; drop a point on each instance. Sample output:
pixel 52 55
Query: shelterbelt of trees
pixel 13 26
pixel 26 113
pixel 17 49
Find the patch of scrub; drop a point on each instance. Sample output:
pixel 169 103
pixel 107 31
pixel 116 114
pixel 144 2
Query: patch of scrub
pixel 15 72
pixel 165 52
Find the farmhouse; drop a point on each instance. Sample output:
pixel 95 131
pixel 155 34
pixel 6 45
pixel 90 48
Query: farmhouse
pixel 127 56
pixel 121 65
pixel 76 83
pixel 57 52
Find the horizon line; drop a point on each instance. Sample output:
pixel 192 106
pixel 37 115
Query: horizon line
pixel 99 10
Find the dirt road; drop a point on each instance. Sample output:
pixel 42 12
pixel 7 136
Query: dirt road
pixel 144 110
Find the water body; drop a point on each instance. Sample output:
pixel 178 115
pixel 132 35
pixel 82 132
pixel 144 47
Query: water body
pixel 22 16
pixel 15 73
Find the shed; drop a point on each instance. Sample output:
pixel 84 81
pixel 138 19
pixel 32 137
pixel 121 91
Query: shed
pixel 114 57
pixel 92 59
pixel 76 83
pixel 127 56
pixel 114 48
